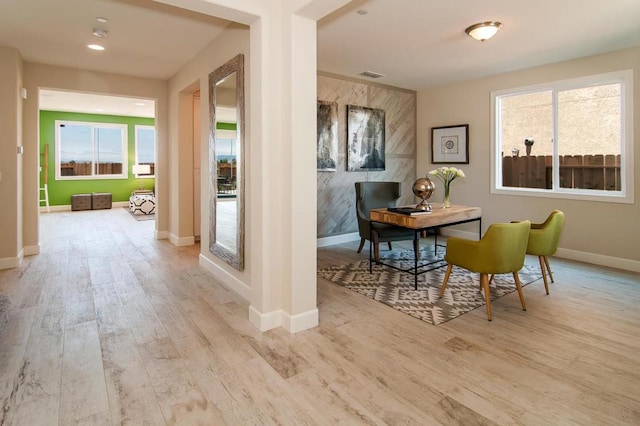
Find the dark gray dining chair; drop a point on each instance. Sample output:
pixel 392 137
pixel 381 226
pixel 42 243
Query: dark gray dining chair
pixel 376 195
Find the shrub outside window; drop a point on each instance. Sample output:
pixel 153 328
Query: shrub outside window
pixel 570 139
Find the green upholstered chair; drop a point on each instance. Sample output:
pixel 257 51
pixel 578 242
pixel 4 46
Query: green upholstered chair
pixel 543 242
pixel 377 195
pixel 501 250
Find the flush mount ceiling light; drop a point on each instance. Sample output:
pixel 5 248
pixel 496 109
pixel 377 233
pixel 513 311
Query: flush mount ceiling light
pixel 484 30
pixel 101 19
pixel 95 47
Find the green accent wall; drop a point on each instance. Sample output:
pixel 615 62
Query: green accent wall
pixel 226 126
pixel 60 191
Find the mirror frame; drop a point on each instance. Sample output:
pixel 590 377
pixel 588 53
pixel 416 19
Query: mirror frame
pixel 235 65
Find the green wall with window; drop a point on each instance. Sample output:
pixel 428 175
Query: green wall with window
pixel 60 191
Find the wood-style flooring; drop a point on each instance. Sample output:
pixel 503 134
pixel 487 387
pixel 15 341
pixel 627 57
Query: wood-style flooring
pixel 112 327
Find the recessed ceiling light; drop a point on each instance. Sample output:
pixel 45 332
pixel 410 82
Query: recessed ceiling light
pixel 362 12
pixel 101 19
pixel 100 33
pixel 95 47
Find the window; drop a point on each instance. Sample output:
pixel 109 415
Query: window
pixel 226 150
pixel 90 150
pixel 570 139
pixel 146 149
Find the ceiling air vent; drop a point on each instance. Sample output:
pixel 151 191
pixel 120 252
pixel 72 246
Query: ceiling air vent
pixel 372 74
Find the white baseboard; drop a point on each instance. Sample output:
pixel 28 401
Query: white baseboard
pixel 450 232
pixel 338 239
pixel 265 322
pixel 65 208
pixel 300 322
pixel 31 250
pixel 229 281
pixel 599 259
pixel 162 235
pixel 11 262
pixel 280 318
pixel 580 256
pixel 182 241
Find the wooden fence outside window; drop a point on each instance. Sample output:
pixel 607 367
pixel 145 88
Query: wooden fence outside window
pixel 576 171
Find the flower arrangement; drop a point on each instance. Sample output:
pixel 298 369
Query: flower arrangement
pixel 446 175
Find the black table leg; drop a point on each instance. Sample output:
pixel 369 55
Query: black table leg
pixel 416 253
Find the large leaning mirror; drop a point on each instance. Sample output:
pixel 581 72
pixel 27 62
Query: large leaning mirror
pixel 226 162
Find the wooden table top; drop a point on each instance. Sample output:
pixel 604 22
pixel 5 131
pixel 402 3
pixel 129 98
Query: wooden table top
pixel 438 217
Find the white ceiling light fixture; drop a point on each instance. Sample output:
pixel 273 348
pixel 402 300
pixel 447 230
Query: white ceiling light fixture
pixel 100 33
pixel 102 20
pixel 95 47
pixel 484 30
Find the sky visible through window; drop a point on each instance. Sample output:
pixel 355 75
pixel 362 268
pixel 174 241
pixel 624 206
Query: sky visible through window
pixel 76 144
pixel 146 145
pixel 226 149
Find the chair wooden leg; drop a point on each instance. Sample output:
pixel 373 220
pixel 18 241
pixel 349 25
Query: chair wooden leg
pixel 491 279
pixel 416 248
pixel 362 241
pixel 484 280
pixel 446 279
pixel 519 287
pixel 544 274
pixel 376 251
pixel 546 262
pixel 389 244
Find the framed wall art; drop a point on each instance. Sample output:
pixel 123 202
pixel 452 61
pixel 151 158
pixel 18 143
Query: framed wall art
pixel 327 136
pixel 365 139
pixel 450 144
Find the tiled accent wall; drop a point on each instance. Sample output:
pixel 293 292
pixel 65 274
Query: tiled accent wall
pixel 336 190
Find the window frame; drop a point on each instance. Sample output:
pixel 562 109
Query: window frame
pixel 626 193
pixel 155 149
pixel 93 125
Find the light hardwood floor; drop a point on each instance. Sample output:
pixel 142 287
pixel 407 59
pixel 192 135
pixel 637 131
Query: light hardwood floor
pixel 113 327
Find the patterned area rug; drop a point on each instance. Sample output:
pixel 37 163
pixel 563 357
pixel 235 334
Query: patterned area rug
pixel 5 306
pixel 396 289
pixel 141 217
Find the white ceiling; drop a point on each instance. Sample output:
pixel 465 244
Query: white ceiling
pixel 416 43
pixel 421 43
pixel 56 100
pixel 146 38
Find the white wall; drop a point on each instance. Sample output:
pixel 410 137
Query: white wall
pixel 598 232
pixel 282 111
pixel 233 41
pixel 11 107
pixel 53 77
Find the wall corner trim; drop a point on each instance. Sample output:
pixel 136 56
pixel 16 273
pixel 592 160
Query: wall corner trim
pixel 162 235
pixel 182 241
pixel 32 250
pixel 11 262
pixel 280 318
